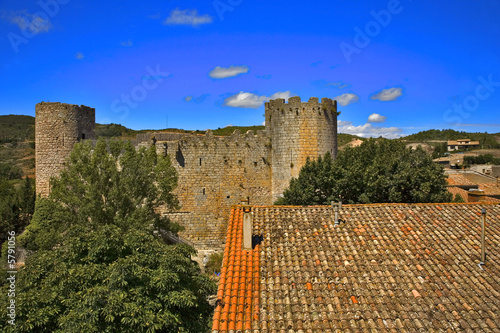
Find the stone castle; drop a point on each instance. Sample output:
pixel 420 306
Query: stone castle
pixel 214 172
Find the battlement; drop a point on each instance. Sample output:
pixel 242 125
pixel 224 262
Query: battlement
pixel 296 102
pixel 236 139
pixel 296 108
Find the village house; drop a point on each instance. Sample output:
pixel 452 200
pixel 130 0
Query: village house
pixel 462 144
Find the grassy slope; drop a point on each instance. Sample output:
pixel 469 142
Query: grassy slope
pixel 17 135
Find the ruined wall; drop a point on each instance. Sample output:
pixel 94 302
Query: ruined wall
pixel 215 173
pixel 299 130
pixel 58 126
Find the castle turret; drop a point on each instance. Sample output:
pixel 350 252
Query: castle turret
pixel 299 130
pixel 58 126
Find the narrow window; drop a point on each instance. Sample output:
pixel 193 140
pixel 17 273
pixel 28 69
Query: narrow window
pixel 203 191
pixel 200 161
pixel 83 136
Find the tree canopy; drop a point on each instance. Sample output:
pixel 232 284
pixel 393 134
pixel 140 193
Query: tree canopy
pixel 482 159
pixel 98 262
pixel 377 171
pixel 17 200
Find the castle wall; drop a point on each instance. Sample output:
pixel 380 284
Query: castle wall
pixel 58 126
pixel 215 173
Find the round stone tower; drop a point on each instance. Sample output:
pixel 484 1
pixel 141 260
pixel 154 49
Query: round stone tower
pixel 58 126
pixel 299 130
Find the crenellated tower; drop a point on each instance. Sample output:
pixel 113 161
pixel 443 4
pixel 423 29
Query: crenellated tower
pixel 298 130
pixel 58 126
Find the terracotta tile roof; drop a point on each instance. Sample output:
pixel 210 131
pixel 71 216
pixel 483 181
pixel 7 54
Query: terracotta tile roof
pixel 238 294
pixel 459 179
pixel 388 268
pixel 490 189
pixel 457 190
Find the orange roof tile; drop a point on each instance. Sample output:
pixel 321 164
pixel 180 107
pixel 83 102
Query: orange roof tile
pixel 457 190
pixel 413 268
pixel 239 279
pixel 459 179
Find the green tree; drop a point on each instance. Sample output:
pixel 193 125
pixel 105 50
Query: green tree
pixel 482 159
pixel 439 150
pixel 314 186
pixel 9 208
pixel 17 201
pixel 458 198
pixel 97 260
pixel 377 171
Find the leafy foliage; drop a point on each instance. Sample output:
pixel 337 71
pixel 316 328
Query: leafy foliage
pixel 458 198
pixel 377 171
pixel 214 263
pixel 17 200
pixel 439 150
pixel 314 186
pixel 482 159
pixel 9 171
pixel 98 262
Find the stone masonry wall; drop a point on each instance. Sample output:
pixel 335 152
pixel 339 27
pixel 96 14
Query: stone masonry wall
pixel 215 173
pixel 58 126
pixel 299 130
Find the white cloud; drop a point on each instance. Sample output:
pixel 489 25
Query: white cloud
pixel 225 72
pixel 389 94
pixel 368 130
pixel 30 22
pixel 187 17
pixel 127 43
pixel 347 98
pixel 188 98
pixel 249 100
pixel 79 55
pixel 376 118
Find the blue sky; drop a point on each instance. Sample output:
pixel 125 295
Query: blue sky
pixel 396 67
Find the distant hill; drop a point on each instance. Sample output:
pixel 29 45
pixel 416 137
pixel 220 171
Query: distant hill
pixel 15 128
pixel 344 138
pixel 486 140
pixel 17 142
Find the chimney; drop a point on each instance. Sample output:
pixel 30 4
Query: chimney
pixel 336 206
pixel 483 236
pixel 247 228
